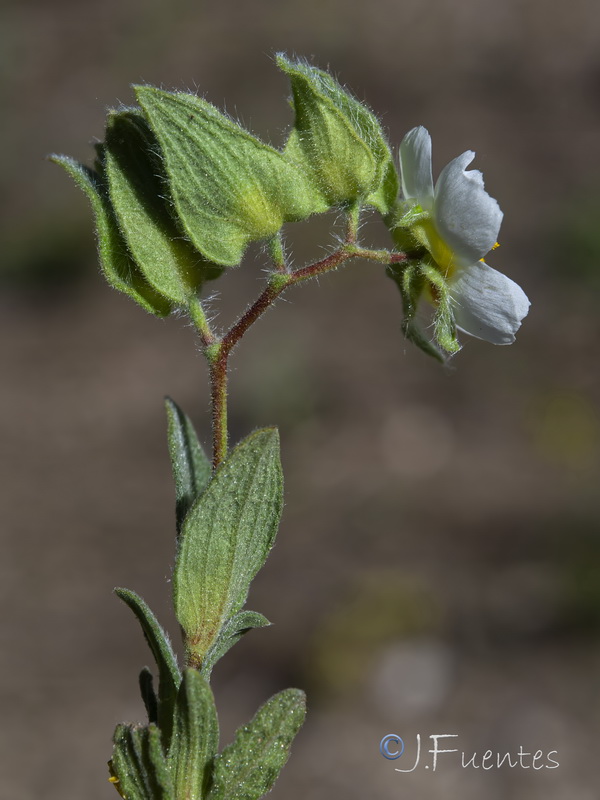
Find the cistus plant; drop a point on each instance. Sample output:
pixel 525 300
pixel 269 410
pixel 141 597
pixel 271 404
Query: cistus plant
pixel 179 190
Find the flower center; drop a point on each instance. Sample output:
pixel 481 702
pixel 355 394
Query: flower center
pixel 441 253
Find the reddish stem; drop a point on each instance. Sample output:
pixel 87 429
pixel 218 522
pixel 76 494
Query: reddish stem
pixel 277 284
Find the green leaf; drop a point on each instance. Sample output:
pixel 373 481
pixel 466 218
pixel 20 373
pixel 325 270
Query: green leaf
pixel 169 262
pixel 117 264
pixel 138 767
pixel 228 187
pixel 146 682
pixel 338 140
pixel 191 468
pixel 169 676
pixel 231 632
pixel 226 538
pixel 195 737
pixel 248 768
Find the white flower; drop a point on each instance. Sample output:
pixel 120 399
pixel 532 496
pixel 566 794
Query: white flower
pixel 462 227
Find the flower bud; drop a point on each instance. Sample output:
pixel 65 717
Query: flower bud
pixel 338 140
pixel 119 268
pixel 228 188
pixel 168 261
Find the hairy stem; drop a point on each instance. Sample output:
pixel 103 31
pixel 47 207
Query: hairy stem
pixel 198 317
pixel 218 384
pixel 217 350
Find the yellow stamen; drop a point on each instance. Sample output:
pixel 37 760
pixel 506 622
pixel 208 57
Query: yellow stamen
pixel 494 247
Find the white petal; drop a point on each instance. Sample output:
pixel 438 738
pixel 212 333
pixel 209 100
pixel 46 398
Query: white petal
pixel 466 217
pixel 487 304
pixel 415 167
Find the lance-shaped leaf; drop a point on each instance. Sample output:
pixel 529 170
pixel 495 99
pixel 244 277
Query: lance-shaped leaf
pixel 137 194
pixel 169 676
pixel 225 539
pixel 231 632
pixel 118 266
pixel 191 468
pixel 228 187
pixel 248 768
pixel 138 767
pixel 195 737
pixel 338 139
pixel 146 682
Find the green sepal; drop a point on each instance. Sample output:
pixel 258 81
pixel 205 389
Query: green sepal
pixel 338 140
pixel 195 737
pixel 231 632
pixel 414 334
pixel 118 266
pixel 225 539
pixel 250 765
pixel 169 676
pixel 138 767
pixel 444 325
pixel 411 229
pixel 191 468
pixel 228 187
pixel 146 683
pixel 411 282
pixel 169 262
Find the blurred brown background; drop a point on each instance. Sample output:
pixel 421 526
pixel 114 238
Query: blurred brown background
pixel 438 565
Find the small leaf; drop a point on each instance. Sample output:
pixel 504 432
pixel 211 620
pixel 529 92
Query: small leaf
pixel 146 682
pixel 195 737
pixel 169 262
pixel 191 468
pixel 338 140
pixel 117 264
pixel 226 538
pixel 248 768
pixel 138 765
pixel 169 676
pixel 231 632
pixel 228 188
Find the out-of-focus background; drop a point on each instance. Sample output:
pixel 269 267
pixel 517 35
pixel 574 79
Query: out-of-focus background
pixel 438 565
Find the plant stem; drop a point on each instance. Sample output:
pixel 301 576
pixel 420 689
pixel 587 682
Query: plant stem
pixel 217 351
pixel 380 256
pixel 277 283
pixel 278 253
pixel 352 223
pixel 218 383
pixel 218 356
pixel 198 317
pixel 326 265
